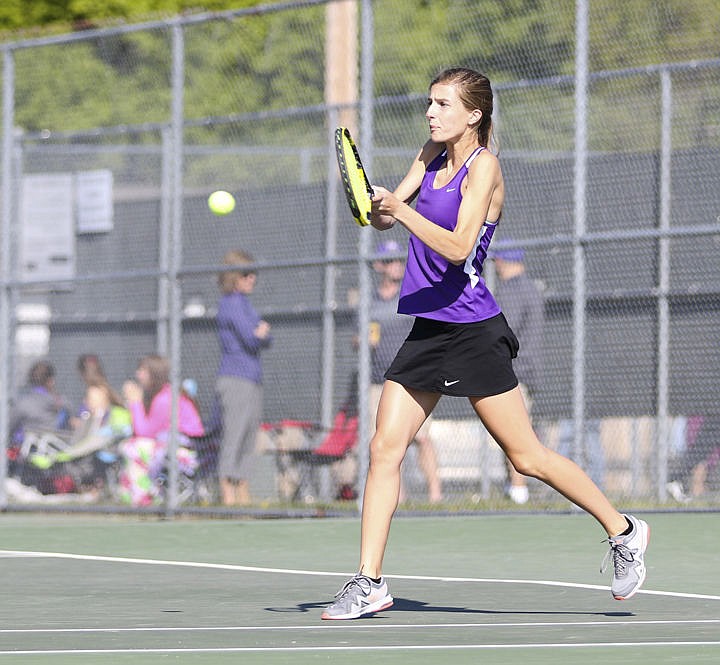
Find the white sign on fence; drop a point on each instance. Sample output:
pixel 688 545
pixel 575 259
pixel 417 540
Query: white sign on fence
pixel 94 192
pixel 47 229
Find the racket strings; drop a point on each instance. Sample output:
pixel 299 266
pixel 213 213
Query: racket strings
pixel 358 190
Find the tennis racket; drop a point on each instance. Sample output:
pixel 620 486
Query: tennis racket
pixel 358 190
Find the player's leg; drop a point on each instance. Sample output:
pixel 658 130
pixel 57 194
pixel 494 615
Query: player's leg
pixel 517 488
pixel 401 412
pixel 698 479
pixel 506 419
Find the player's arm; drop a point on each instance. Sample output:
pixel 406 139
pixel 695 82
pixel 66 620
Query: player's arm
pixel 409 187
pixel 482 197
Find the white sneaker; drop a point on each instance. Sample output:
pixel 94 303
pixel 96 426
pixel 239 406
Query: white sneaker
pixel 628 555
pixel 518 494
pixel 676 491
pixel 359 596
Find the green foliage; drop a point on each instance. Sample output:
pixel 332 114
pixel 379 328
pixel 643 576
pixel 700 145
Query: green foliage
pixel 670 31
pixel 283 50
pixel 79 14
pixel 110 81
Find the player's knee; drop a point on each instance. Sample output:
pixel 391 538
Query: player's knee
pixel 385 450
pixel 530 462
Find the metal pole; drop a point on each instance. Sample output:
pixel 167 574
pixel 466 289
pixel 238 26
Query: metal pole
pixel 663 352
pixel 364 277
pixel 166 188
pixel 175 322
pixel 8 122
pixel 580 187
pixel 328 320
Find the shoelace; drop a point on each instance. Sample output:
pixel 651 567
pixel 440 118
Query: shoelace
pixel 358 580
pixel 621 557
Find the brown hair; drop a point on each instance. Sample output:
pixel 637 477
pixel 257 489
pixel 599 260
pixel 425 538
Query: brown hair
pixel 91 370
pixel 158 368
pixel 228 278
pixel 41 373
pixel 475 92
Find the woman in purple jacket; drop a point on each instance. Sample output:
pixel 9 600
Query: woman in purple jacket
pixel 242 335
pixel 460 343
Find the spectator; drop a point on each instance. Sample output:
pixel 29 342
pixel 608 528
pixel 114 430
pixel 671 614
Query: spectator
pixel 101 402
pixel 243 335
pixel 700 456
pixel 149 400
pixel 388 330
pixel 93 374
pixel 77 460
pixel 39 406
pixel 102 419
pixel 40 416
pixel 523 306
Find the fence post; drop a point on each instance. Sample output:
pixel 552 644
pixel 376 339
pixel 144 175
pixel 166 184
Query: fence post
pixel 175 246
pixel 365 284
pixel 330 296
pixel 580 193
pixel 663 313
pixel 8 130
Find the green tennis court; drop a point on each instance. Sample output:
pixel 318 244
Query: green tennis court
pixel 496 589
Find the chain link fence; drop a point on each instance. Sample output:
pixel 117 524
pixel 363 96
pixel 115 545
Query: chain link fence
pixel 113 139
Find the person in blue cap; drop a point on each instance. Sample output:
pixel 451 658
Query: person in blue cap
pixel 522 303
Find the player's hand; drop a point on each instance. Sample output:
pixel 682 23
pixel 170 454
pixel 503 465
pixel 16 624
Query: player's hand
pixel 381 216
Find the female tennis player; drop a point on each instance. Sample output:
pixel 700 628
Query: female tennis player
pixel 460 343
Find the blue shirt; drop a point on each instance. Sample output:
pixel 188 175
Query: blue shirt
pixel 240 348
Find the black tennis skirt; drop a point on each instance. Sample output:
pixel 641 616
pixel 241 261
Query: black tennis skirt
pixel 457 359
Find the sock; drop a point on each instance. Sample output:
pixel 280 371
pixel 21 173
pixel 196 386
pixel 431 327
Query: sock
pixel 627 531
pixel 372 579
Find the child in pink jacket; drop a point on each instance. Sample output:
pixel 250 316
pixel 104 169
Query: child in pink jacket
pixel 149 400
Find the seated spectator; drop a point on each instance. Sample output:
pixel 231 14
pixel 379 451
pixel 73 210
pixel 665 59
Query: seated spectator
pixel 84 454
pixel 700 457
pixel 149 400
pixel 39 407
pixel 103 410
pixel 39 422
pixel 103 422
pixel 93 375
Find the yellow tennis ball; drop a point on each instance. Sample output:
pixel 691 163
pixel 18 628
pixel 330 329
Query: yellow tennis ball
pixel 221 202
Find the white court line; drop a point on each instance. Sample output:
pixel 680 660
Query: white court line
pixel 352 625
pixel 290 571
pixel 394 647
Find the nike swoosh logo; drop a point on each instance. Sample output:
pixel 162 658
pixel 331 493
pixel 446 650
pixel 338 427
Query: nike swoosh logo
pixel 451 189
pixel 451 383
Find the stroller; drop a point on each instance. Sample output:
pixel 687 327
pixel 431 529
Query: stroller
pixel 198 484
pixel 64 462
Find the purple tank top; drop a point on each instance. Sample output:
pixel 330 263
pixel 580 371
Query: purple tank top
pixel 432 287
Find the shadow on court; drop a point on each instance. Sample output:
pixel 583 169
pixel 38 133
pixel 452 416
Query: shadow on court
pixel 408 605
